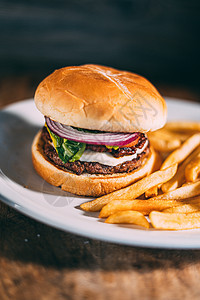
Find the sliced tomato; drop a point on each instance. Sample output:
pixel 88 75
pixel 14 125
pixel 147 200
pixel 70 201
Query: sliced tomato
pixel 131 144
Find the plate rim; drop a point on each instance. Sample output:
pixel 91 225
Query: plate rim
pixel 101 236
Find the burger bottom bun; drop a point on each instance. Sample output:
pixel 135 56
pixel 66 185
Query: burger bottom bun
pixel 86 184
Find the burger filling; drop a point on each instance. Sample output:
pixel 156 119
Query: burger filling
pixel 94 159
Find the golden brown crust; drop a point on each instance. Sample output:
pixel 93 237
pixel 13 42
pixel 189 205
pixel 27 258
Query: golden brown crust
pixel 101 98
pixel 87 185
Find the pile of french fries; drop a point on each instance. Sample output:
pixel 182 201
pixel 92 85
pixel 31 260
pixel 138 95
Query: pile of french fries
pixel 168 198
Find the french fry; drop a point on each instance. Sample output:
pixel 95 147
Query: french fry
pixel 184 126
pixel 128 217
pixel 165 140
pixel 193 200
pixel 175 182
pixel 181 153
pixel 143 206
pixel 183 192
pixel 174 221
pixel 133 191
pixel 179 177
pixel 154 191
pixel 183 209
pixel 164 134
pixel 158 162
pixel 174 135
pixel 192 170
pixel 169 135
pixel 163 145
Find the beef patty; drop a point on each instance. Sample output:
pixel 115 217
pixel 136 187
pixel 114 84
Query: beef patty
pixel 79 167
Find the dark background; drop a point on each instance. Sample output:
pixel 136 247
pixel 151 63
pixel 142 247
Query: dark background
pixel 157 39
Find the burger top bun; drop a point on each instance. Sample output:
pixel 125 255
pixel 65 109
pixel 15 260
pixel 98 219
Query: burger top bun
pixel 101 98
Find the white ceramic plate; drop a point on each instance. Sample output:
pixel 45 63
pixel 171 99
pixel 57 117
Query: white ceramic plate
pixel 24 190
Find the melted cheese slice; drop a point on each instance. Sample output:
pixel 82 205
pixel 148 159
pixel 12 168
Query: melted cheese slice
pixel 105 158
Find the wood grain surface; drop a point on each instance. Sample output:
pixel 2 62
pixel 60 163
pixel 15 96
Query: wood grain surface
pixel 40 262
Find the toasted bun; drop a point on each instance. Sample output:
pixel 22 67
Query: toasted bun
pixel 85 184
pixel 101 98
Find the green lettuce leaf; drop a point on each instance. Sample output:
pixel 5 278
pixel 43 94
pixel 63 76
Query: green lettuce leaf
pixel 68 151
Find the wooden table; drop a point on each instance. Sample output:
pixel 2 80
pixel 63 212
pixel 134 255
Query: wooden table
pixel 40 262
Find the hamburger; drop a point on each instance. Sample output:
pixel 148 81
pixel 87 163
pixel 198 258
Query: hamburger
pixel 94 140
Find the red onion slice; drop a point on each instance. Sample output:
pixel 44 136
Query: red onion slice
pixel 106 138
